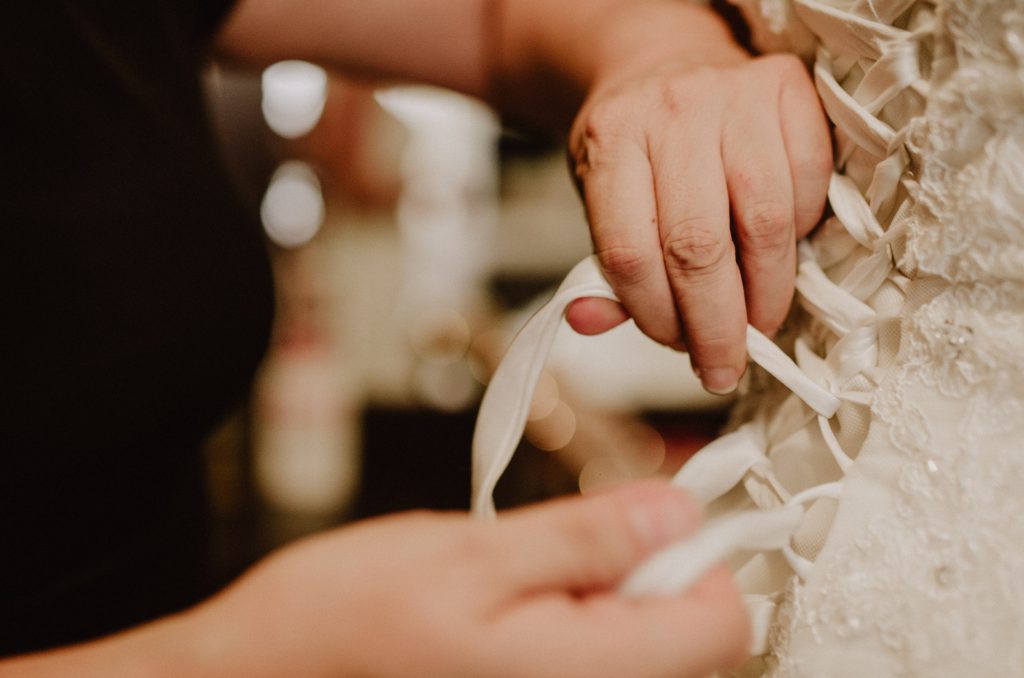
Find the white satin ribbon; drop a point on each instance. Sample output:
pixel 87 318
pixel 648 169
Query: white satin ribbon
pixel 868 147
pixel 679 566
pixel 733 458
pixel 710 473
pixel 506 403
pixel 721 464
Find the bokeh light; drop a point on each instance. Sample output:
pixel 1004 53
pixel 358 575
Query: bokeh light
pixel 294 94
pixel 554 431
pixel 293 206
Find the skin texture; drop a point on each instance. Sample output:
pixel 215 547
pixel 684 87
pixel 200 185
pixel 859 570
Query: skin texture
pixel 699 167
pixel 696 202
pixel 442 595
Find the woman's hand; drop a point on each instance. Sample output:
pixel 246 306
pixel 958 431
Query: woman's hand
pixel 700 166
pixel 698 178
pixel 442 595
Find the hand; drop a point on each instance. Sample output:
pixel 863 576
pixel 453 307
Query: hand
pixel 698 180
pixel 442 595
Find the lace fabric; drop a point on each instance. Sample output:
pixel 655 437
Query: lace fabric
pixel 922 574
pixel 868 493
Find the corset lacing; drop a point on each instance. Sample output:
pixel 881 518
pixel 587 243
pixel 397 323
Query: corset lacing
pixel 863 64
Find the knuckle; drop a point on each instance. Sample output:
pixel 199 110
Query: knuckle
pixel 766 227
pixel 694 247
pixel 602 134
pixel 630 267
pixel 605 117
pixel 673 96
pixel 606 123
pixel 677 95
pixel 625 264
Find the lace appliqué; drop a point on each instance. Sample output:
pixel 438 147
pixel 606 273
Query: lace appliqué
pixel 939 580
pixel 969 219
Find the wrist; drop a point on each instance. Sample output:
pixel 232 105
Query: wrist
pixel 166 647
pixel 637 37
pixel 546 56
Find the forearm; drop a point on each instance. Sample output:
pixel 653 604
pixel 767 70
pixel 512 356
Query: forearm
pixel 438 42
pixel 534 59
pixel 167 647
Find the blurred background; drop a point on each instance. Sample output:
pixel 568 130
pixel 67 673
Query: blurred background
pixel 411 235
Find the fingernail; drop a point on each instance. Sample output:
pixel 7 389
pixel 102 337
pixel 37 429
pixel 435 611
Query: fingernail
pixel 719 380
pixel 660 520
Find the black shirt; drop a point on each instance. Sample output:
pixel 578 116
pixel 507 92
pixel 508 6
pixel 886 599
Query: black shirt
pixel 136 304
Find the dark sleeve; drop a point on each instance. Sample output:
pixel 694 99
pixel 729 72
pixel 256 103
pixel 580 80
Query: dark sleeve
pixel 208 15
pixel 136 300
pixel 191 22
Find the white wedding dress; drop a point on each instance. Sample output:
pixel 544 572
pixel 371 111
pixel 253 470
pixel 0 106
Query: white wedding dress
pixel 870 496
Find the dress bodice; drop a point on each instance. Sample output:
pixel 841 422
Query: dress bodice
pixel 867 496
pixel 919 573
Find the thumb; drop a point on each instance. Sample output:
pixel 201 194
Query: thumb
pixel 591 543
pixel 591 315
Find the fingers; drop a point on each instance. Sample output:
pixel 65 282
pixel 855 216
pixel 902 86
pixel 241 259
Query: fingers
pixel 805 133
pixel 588 543
pixel 701 631
pixel 594 316
pixel 618 190
pixel 699 255
pixel 693 634
pixel 761 193
pixel 660 186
